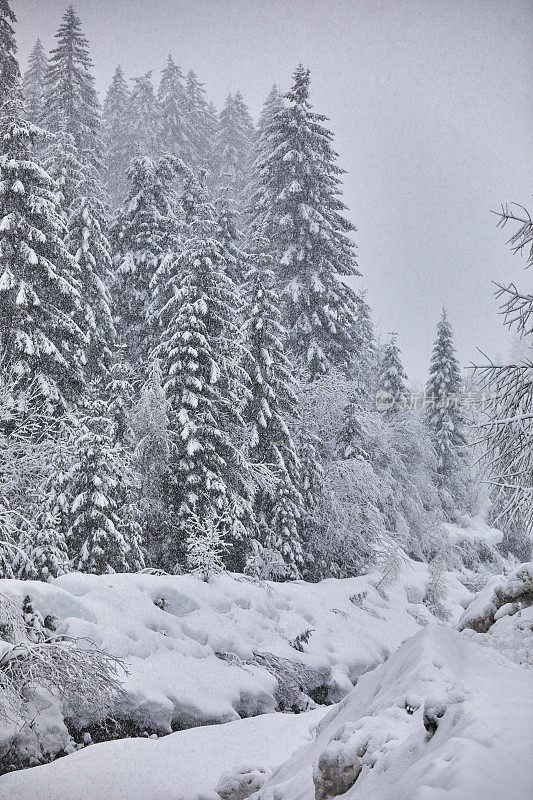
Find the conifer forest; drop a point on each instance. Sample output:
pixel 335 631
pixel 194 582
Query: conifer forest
pixel 242 553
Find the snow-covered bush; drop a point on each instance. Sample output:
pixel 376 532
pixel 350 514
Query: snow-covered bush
pixel 241 782
pixel 45 680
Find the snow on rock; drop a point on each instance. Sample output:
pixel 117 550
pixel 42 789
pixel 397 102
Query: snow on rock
pixel 442 718
pixel 197 764
pixel 501 615
pixel 201 653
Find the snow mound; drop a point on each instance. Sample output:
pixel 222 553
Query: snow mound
pixel 183 766
pixel 442 718
pixel 501 615
pixel 202 653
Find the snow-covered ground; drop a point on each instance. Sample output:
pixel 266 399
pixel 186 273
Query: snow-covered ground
pixel 443 718
pixel 196 651
pixel 183 766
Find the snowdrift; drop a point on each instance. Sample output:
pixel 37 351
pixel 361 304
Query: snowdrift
pixel 442 718
pixel 202 653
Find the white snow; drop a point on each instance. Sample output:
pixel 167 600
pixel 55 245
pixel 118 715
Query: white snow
pixel 183 766
pixel 189 664
pixel 441 719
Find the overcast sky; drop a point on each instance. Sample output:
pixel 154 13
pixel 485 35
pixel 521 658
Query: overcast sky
pixel 430 103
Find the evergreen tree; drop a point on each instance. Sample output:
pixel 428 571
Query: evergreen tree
pixel 62 162
pixel 232 148
pixel 144 232
pixel 33 84
pixel 71 99
pixel 392 394
pixel 444 415
pixel 259 148
pixel 48 556
pixel 270 408
pixel 100 538
pixel 230 238
pixel 143 119
pixel 206 546
pixel 298 201
pixel 120 399
pixel 198 324
pixel 9 67
pixel 117 144
pixel 202 123
pixel 39 293
pixel 175 134
pixel 88 243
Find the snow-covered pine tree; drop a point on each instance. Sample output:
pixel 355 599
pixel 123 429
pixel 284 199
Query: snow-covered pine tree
pixel 39 294
pixel 202 123
pixel 173 112
pixel 206 545
pixel 88 243
pixel 391 391
pixel 230 238
pixel 48 556
pixel 9 67
pixel 63 163
pixel 117 144
pixel 145 230
pixel 232 148
pixel 270 409
pixel 120 396
pixel 101 536
pixel 33 84
pixel 259 149
pixel 444 413
pixel 71 100
pixel 198 324
pixel 143 118
pixel 298 201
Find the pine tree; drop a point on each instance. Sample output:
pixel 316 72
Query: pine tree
pixel 49 553
pixel 71 99
pixel 198 324
pixel 63 163
pixel 260 147
pixel 33 84
pixel 145 231
pixel 232 148
pixel 175 134
pixel 88 243
pixel 231 239
pixel 444 415
pixel 120 396
pixel 202 123
pixel 117 144
pixel 99 538
pixel 284 525
pixel 9 68
pixel 298 201
pixel 206 546
pixel 143 119
pixel 392 394
pixel 39 294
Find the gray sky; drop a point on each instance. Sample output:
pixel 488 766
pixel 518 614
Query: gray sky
pixel 430 102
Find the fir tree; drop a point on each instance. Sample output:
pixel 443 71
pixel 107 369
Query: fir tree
pixel 33 84
pixel 120 399
pixel 284 525
pixel 198 324
pixel 444 414
pixel 259 148
pixel 71 99
pixel 117 144
pixel 206 546
pixel 91 249
pixel 230 238
pixel 49 553
pixel 392 394
pixel 9 67
pixel 144 232
pixel 232 147
pixel 298 201
pixel 175 134
pixel 202 123
pixel 63 163
pixel 143 118
pixel 39 294
pixel 98 539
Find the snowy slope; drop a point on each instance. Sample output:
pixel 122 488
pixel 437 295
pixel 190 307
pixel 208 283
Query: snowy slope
pixel 183 766
pixel 442 719
pixel 193 658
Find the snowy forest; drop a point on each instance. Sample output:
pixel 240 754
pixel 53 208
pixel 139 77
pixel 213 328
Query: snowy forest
pixel 225 514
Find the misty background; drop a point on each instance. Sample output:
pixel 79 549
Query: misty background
pixel 430 103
